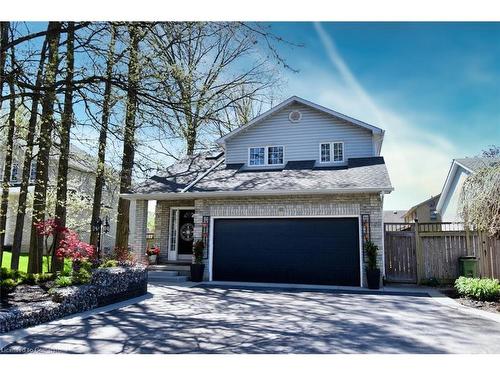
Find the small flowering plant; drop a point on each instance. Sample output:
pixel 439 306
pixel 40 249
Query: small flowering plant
pixel 73 248
pixel 155 250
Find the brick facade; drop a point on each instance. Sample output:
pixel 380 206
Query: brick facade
pixel 310 205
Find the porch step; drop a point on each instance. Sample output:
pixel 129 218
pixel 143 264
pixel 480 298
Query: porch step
pixel 166 276
pixel 183 269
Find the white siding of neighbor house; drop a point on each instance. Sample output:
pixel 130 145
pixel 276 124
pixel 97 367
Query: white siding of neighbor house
pixel 301 140
pixel 449 211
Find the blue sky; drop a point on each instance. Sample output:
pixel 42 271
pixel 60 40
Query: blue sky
pixel 434 88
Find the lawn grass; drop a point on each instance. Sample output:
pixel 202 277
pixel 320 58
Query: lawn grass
pixel 23 262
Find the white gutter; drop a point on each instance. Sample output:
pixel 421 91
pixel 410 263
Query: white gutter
pixel 195 195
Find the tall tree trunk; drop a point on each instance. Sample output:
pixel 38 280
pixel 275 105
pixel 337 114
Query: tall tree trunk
pixel 122 226
pixel 4 205
pixel 66 122
pixel 28 155
pixel 4 40
pixel 45 142
pixel 103 135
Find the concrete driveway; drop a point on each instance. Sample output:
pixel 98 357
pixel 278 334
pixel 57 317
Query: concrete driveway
pixel 180 319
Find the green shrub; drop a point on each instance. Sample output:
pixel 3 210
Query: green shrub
pixel 82 276
pixel 30 279
pixel 65 272
pixel 109 263
pixel 371 254
pixel 44 277
pixel 63 281
pixel 198 249
pixel 480 289
pixel 6 273
pixel 6 287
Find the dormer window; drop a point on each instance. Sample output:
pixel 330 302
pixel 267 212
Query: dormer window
pixel 270 155
pixel 331 152
pixel 257 156
pixel 275 155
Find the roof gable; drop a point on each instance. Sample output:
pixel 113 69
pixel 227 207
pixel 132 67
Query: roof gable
pixel 296 99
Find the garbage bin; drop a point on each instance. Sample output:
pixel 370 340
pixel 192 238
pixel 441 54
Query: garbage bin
pixel 468 266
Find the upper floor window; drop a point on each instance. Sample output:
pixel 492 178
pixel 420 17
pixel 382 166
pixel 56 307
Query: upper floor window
pixel 275 155
pixel 33 170
pixel 271 155
pixel 331 152
pixel 325 152
pixel 15 172
pixel 257 156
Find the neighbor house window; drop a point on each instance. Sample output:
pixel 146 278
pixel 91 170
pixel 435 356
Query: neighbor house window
pixel 33 170
pixel 270 155
pixel 15 172
pixel 275 155
pixel 325 153
pixel 331 152
pixel 257 156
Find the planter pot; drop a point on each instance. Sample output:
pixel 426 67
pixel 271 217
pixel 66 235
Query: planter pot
pixel 197 272
pixel 152 259
pixel 373 279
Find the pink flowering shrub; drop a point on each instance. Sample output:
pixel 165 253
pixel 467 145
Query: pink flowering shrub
pixel 73 248
pixel 70 245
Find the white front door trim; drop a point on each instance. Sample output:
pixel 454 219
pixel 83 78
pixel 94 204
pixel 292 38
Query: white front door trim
pixel 212 229
pixel 173 255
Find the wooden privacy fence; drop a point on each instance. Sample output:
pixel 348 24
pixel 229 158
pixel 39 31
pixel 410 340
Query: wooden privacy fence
pixel 415 252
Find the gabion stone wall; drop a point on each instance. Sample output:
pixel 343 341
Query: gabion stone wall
pixel 108 285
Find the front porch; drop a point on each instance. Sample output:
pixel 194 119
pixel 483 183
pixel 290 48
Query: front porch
pixel 175 230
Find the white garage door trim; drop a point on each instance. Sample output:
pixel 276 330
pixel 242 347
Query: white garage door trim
pixel 211 235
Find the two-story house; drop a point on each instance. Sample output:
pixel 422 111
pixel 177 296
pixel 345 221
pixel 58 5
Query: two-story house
pixel 290 198
pixel 81 182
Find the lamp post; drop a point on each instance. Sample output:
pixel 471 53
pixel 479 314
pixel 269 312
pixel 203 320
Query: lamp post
pixel 97 228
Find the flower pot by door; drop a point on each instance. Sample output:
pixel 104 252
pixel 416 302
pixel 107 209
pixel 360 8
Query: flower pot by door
pixel 152 259
pixel 197 272
pixel 373 279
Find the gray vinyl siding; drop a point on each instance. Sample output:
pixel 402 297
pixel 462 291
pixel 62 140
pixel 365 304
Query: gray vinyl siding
pixel 301 140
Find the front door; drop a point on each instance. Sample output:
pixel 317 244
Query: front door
pixel 186 233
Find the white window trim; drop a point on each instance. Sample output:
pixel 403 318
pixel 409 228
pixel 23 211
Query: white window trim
pixel 332 161
pixel 321 144
pixel 173 255
pixel 266 155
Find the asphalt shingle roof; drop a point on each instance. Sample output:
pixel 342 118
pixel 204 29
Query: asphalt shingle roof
pixel 477 162
pixel 360 173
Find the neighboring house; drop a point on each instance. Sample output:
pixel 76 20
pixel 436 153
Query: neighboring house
pixel 447 206
pixel 290 199
pixel 394 216
pixel 81 181
pixel 424 212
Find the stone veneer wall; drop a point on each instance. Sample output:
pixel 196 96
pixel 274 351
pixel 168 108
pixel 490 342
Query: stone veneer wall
pixel 313 205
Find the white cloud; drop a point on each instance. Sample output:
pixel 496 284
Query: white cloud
pixel 417 159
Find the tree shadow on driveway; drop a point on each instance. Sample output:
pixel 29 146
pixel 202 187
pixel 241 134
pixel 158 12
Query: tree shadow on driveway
pixel 242 320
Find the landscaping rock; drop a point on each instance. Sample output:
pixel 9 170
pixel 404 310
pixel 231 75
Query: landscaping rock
pixel 108 285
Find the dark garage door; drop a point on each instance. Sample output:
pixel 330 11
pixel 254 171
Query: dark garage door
pixel 299 250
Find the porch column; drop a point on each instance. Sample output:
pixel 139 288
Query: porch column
pixel 138 241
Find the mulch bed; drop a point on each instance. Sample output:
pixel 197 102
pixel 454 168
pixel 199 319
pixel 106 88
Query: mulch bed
pixel 24 295
pixel 493 307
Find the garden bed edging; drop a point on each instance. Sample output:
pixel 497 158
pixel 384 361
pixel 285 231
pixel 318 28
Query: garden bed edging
pixel 107 286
